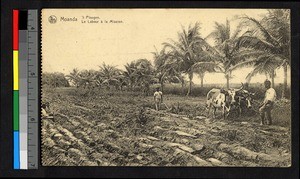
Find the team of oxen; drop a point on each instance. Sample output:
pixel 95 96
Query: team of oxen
pixel 228 100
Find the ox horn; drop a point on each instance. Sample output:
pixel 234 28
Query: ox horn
pixel 242 87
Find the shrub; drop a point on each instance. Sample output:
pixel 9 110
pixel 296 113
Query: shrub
pixel 55 80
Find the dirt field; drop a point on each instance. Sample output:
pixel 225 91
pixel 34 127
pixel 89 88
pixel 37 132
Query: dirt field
pixel 123 129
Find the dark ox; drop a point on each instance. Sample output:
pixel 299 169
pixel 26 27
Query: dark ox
pixel 243 100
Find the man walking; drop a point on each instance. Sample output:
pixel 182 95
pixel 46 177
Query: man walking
pixel 267 105
pixel 158 98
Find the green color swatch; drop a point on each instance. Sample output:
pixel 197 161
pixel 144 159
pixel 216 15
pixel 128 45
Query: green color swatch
pixel 16 110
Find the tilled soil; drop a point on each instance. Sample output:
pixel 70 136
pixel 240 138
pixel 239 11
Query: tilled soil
pixel 126 131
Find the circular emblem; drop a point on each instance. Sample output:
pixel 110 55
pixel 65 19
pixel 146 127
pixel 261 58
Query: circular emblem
pixel 52 19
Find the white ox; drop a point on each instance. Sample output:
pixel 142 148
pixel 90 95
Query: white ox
pixel 220 99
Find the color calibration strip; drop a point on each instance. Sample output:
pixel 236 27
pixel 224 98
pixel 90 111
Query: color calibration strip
pixel 25 89
pixel 16 89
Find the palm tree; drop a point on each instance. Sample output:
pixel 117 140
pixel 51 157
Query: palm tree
pixel 272 36
pixel 110 75
pixel 228 52
pixel 86 78
pixel 165 70
pixel 73 77
pixel 130 74
pixel 190 52
pixel 144 74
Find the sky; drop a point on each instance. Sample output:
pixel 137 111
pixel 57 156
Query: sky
pixel 129 34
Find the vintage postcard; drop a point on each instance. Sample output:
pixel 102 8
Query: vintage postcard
pixel 166 87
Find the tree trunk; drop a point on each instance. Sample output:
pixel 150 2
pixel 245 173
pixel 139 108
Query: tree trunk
pixel 162 86
pixel 190 84
pixel 272 75
pixel 285 70
pixel 227 81
pixel 227 76
pixel 182 88
pixel 201 75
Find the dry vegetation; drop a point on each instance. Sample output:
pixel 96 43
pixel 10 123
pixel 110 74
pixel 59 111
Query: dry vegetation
pixel 97 128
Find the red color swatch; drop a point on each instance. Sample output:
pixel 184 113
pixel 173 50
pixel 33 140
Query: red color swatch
pixel 15 29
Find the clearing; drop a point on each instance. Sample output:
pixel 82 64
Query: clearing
pixel 123 129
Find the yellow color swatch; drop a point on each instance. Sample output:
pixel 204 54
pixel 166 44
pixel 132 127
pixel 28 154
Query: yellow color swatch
pixel 16 69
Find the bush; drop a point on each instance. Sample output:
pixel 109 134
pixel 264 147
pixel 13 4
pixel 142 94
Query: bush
pixel 54 80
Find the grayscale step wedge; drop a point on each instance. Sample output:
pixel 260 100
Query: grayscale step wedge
pixel 33 85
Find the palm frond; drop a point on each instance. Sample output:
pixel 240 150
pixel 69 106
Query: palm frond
pixel 266 63
pixel 260 28
pixel 237 32
pixel 211 35
pixel 246 54
pixel 254 72
pixel 246 63
pixel 206 66
pixel 255 43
